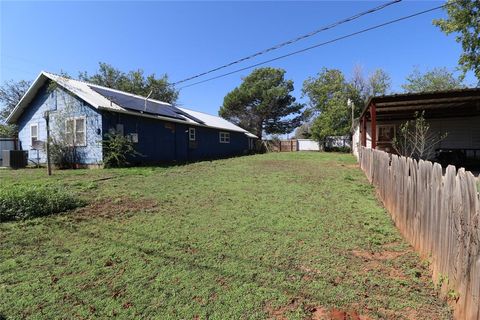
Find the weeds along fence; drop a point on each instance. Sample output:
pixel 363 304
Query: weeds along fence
pixel 439 215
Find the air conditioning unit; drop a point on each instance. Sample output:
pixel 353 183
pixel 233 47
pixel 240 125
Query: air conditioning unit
pixel 14 159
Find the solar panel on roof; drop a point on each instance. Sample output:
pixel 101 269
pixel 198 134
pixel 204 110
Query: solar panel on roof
pixel 138 104
pixel 188 115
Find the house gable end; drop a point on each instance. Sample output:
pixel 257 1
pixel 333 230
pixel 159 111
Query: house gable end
pixel 61 105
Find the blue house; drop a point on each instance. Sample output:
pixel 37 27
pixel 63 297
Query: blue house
pixel 82 114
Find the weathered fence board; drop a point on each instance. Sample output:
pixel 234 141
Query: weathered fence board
pixel 439 215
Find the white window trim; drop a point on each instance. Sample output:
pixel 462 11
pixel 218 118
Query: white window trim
pixel 31 136
pixel 386 126
pixel 192 134
pixel 224 137
pixel 74 133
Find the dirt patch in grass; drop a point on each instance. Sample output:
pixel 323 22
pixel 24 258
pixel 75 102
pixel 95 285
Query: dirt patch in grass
pixel 376 261
pixel 320 313
pixel 281 313
pixel 109 208
pixel 313 312
pixel 407 313
pixel 383 255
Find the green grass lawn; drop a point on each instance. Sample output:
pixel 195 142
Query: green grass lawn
pixel 286 236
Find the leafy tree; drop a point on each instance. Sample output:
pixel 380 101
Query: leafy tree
pixel 263 103
pixel 133 82
pixel 432 80
pixel 329 92
pixel 7 131
pixel 10 94
pixel 304 131
pixel 379 83
pixel 361 88
pixel 464 20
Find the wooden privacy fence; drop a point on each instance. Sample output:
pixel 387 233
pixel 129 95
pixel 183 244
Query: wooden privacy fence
pixel 282 145
pixel 288 145
pixel 439 215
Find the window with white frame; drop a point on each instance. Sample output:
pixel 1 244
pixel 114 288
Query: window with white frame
pixel 385 133
pixel 33 134
pixel 191 134
pixel 224 137
pixel 75 131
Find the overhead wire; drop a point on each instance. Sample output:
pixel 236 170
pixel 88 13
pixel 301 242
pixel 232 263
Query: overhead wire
pixel 291 41
pixel 316 46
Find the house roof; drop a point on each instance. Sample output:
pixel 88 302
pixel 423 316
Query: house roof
pixel 214 121
pixel 104 98
pixel 432 100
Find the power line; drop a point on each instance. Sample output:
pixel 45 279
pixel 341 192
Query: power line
pixel 286 43
pixel 316 46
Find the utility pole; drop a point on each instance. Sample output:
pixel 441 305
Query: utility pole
pixel 46 115
pixel 350 104
pixel 352 131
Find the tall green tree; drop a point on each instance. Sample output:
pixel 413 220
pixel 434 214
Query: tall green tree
pixel 379 83
pixel 135 82
pixel 10 94
pixel 464 20
pixel 431 80
pixel 263 103
pixel 328 94
pixel 360 87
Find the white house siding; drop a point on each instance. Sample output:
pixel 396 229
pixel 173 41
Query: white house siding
pixel 356 139
pixel 308 145
pixel 462 132
pixel 55 103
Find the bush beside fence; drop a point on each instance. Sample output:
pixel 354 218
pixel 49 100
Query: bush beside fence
pixel 439 215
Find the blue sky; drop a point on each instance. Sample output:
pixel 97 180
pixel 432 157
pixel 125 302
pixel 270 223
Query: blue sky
pixel 185 38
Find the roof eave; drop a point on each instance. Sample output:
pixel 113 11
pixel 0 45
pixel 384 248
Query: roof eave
pixel 14 115
pixel 369 101
pixel 44 76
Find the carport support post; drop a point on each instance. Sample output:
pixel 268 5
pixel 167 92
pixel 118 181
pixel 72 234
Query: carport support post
pixel 373 116
pixel 364 131
pixel 47 120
